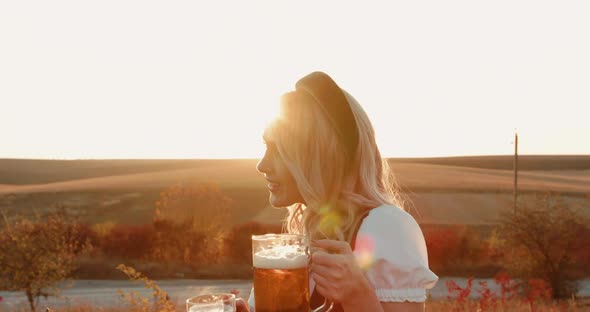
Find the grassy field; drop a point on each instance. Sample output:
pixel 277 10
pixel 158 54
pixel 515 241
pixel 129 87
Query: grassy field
pixel 454 190
pixel 32 171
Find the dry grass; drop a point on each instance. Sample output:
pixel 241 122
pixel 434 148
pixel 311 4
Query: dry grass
pixel 470 208
pixel 25 171
pixel 431 306
pixel 242 174
pixel 511 305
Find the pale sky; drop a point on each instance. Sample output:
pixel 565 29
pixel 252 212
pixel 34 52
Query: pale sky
pixel 200 79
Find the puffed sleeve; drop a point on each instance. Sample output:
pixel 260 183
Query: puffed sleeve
pixel 390 247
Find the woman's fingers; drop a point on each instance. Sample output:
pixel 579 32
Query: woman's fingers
pixel 324 287
pixel 320 280
pixel 324 258
pixel 325 271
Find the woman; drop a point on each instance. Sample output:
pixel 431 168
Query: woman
pixel 323 164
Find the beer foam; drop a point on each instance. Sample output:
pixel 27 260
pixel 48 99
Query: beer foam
pixel 280 257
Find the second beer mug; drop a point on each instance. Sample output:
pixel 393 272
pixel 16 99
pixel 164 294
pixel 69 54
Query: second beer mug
pixel 281 276
pixel 212 303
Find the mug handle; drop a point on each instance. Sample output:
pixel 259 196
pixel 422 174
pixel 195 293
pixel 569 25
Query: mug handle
pixel 326 301
pixel 320 308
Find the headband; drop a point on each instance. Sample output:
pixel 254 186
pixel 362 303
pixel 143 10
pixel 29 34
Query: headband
pixel 334 103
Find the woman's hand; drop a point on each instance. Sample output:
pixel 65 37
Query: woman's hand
pixel 337 275
pixel 241 305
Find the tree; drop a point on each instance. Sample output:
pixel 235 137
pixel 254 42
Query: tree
pixel 540 239
pixel 36 254
pixel 191 222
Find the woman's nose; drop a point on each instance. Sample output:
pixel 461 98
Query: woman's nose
pixel 263 166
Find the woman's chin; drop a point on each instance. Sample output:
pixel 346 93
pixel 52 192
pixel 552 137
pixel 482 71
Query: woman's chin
pixel 277 202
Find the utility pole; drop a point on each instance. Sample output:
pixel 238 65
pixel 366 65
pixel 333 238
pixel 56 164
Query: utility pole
pixel 515 170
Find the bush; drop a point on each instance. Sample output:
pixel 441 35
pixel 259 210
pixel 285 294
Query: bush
pixel 542 238
pixel 179 242
pixel 129 241
pixel 453 246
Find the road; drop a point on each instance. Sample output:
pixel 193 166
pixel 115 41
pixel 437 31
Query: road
pixel 105 293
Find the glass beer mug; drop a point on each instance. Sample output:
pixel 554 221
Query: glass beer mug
pixel 281 275
pixel 212 303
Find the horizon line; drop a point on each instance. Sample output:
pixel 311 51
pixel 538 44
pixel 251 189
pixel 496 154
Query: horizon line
pixel 255 158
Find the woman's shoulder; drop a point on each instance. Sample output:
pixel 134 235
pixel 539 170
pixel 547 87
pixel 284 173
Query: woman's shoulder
pixel 388 214
pixel 388 221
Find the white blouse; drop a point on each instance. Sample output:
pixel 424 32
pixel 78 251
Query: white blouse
pixel 391 249
pixel 397 261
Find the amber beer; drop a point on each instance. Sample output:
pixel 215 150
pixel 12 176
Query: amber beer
pixel 281 277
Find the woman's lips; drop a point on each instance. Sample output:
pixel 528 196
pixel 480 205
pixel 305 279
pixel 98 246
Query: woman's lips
pixel 273 187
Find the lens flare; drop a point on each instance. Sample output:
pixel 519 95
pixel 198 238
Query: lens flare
pixel 330 222
pixel 324 209
pixel 364 251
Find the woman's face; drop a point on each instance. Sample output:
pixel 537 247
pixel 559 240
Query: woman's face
pixel 281 184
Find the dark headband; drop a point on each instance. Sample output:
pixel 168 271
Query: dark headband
pixel 334 103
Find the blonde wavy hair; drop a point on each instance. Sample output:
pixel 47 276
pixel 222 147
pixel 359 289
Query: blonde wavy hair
pixel 335 193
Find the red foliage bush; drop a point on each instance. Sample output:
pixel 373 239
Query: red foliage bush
pixel 537 289
pixel 128 241
pixel 508 286
pixel 454 245
pixel 458 293
pixel 531 293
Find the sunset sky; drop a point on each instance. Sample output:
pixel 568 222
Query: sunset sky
pixel 200 79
